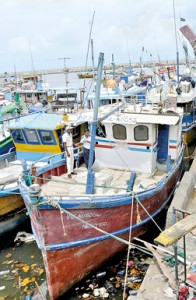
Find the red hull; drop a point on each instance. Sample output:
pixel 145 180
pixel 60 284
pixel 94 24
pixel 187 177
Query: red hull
pixel 71 249
pixel 78 262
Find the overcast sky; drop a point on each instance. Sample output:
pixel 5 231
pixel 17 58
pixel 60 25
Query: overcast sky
pixel 36 33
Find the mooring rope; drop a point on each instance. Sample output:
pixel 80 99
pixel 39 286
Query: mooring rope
pixel 138 201
pixel 128 253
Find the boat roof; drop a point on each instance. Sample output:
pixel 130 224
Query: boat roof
pixel 43 121
pixel 129 115
pixel 135 118
pixel 61 88
pixel 31 91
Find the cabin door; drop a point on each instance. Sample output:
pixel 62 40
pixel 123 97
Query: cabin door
pixel 163 134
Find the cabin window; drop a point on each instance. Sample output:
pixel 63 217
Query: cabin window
pixel 31 136
pixel 18 136
pixel 119 132
pixel 141 133
pixel 47 137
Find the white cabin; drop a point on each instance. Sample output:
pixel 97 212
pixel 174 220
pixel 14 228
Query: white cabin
pixel 138 141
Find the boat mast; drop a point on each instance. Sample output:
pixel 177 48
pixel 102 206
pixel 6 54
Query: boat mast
pixel 113 66
pixel 91 174
pixel 92 56
pixel 177 53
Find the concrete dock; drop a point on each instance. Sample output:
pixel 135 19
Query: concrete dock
pixel 155 285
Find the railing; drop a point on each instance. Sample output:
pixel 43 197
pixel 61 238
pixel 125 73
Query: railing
pixel 8 154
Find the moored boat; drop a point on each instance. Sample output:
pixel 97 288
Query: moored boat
pixel 29 144
pixel 12 208
pixel 79 223
pixel 183 95
pixel 85 75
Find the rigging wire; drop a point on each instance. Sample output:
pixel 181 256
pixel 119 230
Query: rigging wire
pixel 89 42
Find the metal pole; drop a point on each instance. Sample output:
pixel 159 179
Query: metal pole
pixel 184 248
pixel 65 69
pixel 176 258
pixel 90 175
pixel 66 79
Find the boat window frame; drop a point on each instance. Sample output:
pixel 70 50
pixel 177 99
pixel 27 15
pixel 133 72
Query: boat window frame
pixel 122 126
pixel 141 140
pixel 26 137
pixel 12 131
pixel 42 140
pixel 76 131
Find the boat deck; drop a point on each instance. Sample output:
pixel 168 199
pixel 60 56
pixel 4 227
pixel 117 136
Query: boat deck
pixel 11 172
pixel 107 181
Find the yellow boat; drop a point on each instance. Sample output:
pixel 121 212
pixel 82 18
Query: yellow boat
pixel 85 75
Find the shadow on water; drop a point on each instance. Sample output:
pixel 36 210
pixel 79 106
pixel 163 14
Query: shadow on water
pixel 7 240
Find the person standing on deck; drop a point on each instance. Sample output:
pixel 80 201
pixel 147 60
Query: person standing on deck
pixel 67 139
pixel 86 141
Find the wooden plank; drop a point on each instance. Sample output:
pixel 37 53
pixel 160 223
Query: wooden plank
pixel 177 231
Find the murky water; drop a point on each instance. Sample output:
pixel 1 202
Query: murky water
pixel 21 265
pixel 23 269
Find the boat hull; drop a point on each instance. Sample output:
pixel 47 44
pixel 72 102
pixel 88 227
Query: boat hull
pixel 13 221
pixel 10 203
pixel 12 211
pixel 189 136
pixel 78 262
pixel 5 145
pixel 72 248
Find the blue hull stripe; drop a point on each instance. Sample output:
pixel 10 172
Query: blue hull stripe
pixel 139 150
pixel 173 141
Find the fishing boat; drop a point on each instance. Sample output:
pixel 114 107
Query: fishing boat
pixel 64 99
pixel 184 95
pixel 79 223
pixel 12 208
pixel 29 145
pixel 32 96
pixel 8 109
pixel 112 92
pixel 85 75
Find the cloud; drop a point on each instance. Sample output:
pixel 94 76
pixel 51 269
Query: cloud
pixel 61 28
pixel 18 43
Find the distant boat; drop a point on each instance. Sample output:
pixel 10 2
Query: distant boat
pixel 79 223
pixel 85 75
pixel 183 95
